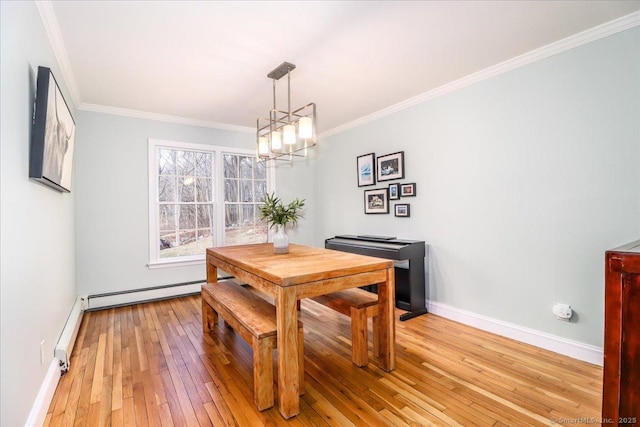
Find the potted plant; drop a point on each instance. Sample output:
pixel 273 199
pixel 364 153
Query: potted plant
pixel 275 212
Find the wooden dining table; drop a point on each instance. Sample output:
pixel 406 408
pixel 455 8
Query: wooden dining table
pixel 303 273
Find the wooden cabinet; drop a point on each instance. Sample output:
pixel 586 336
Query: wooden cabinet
pixel 621 381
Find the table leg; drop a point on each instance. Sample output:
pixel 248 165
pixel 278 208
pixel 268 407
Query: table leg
pixel 288 369
pixel 212 271
pixel 386 322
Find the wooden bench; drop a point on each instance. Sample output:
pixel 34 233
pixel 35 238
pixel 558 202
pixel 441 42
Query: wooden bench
pixel 359 305
pixel 254 319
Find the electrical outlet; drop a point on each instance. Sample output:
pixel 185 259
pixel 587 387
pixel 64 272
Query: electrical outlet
pixel 41 352
pixel 562 311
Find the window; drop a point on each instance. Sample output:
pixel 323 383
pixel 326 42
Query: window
pixel 202 196
pixel 245 185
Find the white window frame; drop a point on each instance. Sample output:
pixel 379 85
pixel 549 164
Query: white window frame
pixel 218 197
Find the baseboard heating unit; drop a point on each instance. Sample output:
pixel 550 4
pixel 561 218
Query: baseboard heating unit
pixel 140 295
pixel 65 343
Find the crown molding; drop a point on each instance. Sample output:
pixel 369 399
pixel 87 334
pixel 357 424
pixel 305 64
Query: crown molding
pixel 612 27
pixel 50 23
pixel 96 108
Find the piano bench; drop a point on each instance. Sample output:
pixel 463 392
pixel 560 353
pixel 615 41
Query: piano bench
pixel 360 305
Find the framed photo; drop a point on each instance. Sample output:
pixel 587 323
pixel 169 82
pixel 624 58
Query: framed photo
pixel 403 210
pixel 394 191
pixel 53 135
pixel 376 201
pixel 366 170
pixel 390 166
pixel 408 190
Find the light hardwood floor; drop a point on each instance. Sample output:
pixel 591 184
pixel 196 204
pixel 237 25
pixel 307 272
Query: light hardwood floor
pixel 150 364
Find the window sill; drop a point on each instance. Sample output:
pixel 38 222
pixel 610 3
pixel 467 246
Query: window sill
pixel 175 263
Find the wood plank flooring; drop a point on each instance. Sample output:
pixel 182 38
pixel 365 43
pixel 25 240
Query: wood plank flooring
pixel 151 365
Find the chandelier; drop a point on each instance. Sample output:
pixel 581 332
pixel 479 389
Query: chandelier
pixel 286 134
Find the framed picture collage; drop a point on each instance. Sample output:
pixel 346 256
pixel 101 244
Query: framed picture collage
pixel 389 167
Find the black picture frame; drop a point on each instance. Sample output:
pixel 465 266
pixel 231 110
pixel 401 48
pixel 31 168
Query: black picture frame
pixel 366 169
pixel 52 136
pixel 408 190
pixel 390 166
pixel 376 201
pixel 394 191
pixel 402 210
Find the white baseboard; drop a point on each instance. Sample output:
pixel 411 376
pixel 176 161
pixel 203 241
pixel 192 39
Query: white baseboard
pixel 575 349
pixel 142 295
pixel 45 395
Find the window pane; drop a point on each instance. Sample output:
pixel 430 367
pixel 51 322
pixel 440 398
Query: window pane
pixel 187 217
pixel 185 163
pixel 186 189
pixel 167 217
pixel 246 190
pixel 205 240
pixel 205 219
pixel 242 225
pixel 260 190
pixel 185 245
pixel 167 242
pixel 261 223
pixel 204 188
pixel 231 216
pixel 247 215
pixel 166 161
pixel 246 167
pixel 203 164
pixel 245 235
pixel 188 242
pixel 230 190
pixel 166 188
pixel 230 166
pixel 259 170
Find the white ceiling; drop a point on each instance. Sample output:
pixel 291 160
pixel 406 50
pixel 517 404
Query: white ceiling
pixel 208 60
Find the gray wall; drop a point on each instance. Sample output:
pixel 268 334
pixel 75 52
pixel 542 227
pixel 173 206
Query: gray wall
pixel 523 181
pixel 112 209
pixel 297 180
pixel 37 239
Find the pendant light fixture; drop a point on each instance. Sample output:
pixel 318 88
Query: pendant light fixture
pixel 286 134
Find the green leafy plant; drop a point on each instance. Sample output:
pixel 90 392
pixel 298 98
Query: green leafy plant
pixel 276 212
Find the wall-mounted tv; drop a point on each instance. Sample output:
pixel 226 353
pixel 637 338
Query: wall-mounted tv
pixel 52 138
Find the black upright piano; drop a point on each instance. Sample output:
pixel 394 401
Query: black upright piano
pixel 409 258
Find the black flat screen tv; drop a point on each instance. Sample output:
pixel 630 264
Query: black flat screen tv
pixel 53 135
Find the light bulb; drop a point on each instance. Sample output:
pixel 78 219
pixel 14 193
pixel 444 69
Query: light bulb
pixel 263 146
pixel 276 141
pixel 305 127
pixel 289 134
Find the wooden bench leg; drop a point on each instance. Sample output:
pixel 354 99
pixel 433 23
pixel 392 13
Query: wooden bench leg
pixel 263 372
pixel 376 332
pixel 301 359
pixel 359 352
pixel 209 317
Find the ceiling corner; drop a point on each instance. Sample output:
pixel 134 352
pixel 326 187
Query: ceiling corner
pixel 50 23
